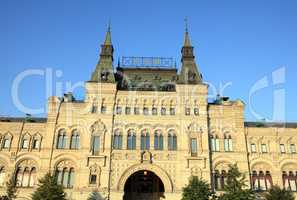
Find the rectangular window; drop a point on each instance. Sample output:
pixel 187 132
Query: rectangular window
pixel 93 179
pixel 226 144
pixel 128 110
pixel 217 144
pixel 196 111
pixel 293 148
pixel 264 148
pixel 163 111
pixel 193 147
pixel 95 145
pixel 213 145
pixel 253 148
pixel 282 148
pixel 103 109
pixel 25 144
pixel 118 110
pixel 94 109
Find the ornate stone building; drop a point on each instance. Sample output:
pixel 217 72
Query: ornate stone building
pixel 141 132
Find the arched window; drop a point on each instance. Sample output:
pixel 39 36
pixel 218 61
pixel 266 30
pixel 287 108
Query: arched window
pixel 65 174
pixel 290 180
pixel 6 141
pixel 228 144
pixel 95 144
pixel 117 140
pixel 75 140
pixel 131 140
pixel 158 140
pixel 220 178
pixel 94 174
pixel 261 181
pixel 26 175
pixel 36 141
pixel 61 139
pixel 25 142
pixel 215 143
pixel 172 141
pixel 2 176
pixel 145 140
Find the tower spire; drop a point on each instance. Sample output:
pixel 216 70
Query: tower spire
pixel 187 42
pixel 108 35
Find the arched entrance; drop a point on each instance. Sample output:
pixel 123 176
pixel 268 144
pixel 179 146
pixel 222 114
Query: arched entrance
pixel 144 185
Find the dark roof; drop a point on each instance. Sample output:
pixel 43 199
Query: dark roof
pixel 271 124
pixel 21 119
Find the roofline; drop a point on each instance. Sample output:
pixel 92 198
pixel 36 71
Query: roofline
pixel 271 124
pixel 22 119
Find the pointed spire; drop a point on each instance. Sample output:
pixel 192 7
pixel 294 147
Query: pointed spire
pixel 187 42
pixel 108 35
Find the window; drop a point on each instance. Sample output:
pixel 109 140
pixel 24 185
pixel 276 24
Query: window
pixel 136 111
pixel 293 148
pixel 94 108
pixel 93 179
pixel 253 148
pixel 215 143
pixel 264 148
pixel 118 110
pixel 75 139
pixel 282 148
pixel 290 180
pixel 26 176
pixel 163 111
pixel 36 142
pixel 2 176
pixel 25 143
pixel 187 111
pixel 131 140
pixel 61 141
pixel 261 181
pixel 103 109
pixel 145 111
pixel 172 111
pixel 128 110
pixel 196 111
pixel 193 147
pixel 228 144
pixel 158 140
pixel 172 141
pixel 6 142
pixel 154 111
pixel 95 145
pixel 220 179
pixel 145 140
pixel 65 177
pixel 117 140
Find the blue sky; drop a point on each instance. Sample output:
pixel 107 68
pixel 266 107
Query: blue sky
pixel 235 41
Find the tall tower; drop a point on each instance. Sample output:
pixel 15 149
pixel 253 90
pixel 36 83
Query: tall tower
pixel 189 71
pixel 104 67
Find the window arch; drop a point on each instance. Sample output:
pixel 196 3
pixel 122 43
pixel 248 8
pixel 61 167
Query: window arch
pixel 145 140
pixel 228 143
pixel 131 140
pixel 290 180
pixel 25 141
pixel 36 141
pixel 6 141
pixel 220 178
pixel 75 139
pixel 261 181
pixel 117 139
pixel 94 178
pixel 158 140
pixel 65 174
pixel 61 139
pixel 26 174
pixel 172 140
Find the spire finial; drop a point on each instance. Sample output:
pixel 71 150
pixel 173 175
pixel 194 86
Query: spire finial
pixel 108 34
pixel 186 24
pixel 187 42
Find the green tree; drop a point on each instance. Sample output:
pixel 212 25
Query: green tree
pixel 235 186
pixel 276 193
pixel 196 190
pixel 48 189
pixel 95 195
pixel 11 188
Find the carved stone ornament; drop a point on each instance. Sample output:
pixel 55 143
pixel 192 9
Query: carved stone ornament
pixel 98 127
pixel 146 157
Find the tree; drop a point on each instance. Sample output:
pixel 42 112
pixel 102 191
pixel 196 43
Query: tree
pixel 10 189
pixel 95 196
pixel 196 190
pixel 48 189
pixel 235 186
pixel 276 193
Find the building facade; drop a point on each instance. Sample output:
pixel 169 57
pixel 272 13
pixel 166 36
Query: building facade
pixel 141 133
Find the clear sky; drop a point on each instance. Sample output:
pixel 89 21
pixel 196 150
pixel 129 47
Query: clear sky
pixel 235 41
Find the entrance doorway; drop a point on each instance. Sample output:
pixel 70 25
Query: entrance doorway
pixel 144 185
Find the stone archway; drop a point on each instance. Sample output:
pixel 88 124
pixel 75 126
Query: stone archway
pixel 144 185
pixel 168 186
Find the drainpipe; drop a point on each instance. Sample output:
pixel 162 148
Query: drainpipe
pixel 19 140
pixel 210 151
pixel 54 135
pixel 111 143
pixel 248 156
